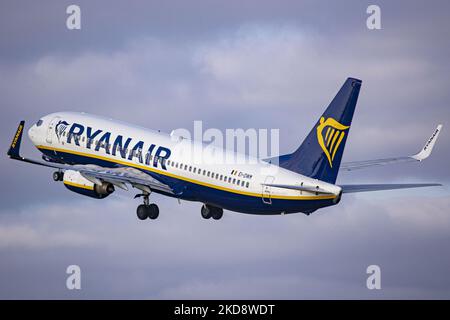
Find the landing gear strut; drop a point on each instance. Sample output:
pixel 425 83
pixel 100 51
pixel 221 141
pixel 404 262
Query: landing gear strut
pixel 147 210
pixel 210 211
pixel 58 176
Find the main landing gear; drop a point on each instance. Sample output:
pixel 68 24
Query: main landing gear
pixel 146 210
pixel 208 211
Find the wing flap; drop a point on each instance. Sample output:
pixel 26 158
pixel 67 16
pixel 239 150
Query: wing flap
pixel 125 175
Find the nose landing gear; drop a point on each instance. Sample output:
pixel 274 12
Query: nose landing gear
pixel 58 176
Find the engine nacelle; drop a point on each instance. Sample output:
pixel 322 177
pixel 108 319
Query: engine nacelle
pixel 75 182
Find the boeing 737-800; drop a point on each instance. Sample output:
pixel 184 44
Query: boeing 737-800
pixel 93 156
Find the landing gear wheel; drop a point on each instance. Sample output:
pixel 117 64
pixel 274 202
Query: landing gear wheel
pixel 206 212
pixel 142 212
pixel 153 211
pixel 58 176
pixel 217 213
pixel 146 210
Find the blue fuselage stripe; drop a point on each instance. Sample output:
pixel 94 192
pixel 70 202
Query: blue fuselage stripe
pixel 196 192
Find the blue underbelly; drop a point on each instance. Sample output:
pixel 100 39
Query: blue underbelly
pixel 196 192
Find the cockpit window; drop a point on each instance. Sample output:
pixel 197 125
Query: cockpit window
pixel 39 123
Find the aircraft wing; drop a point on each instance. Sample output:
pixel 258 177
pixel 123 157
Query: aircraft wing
pixel 118 176
pixel 352 188
pixel 420 156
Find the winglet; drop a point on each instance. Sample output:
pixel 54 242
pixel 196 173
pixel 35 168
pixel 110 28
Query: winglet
pixel 14 149
pixel 426 150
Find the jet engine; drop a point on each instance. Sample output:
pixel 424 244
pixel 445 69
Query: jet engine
pixel 74 181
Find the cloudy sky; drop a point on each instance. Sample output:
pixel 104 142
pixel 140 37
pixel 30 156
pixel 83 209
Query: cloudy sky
pixel 231 64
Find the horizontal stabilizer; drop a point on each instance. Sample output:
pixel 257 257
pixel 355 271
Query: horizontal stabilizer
pixel 352 188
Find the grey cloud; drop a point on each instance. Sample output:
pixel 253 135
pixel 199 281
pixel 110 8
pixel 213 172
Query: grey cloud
pixel 181 255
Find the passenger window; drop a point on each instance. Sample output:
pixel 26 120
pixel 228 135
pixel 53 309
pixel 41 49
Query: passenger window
pixel 247 184
pixel 234 180
pixel 242 184
pixel 204 172
pixel 190 168
pixel 220 178
pixel 195 169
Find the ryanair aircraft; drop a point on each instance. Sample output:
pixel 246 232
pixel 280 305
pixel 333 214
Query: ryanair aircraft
pixel 93 156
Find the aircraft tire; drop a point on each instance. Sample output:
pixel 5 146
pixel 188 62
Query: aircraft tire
pixel 57 176
pixel 142 212
pixel 206 212
pixel 217 213
pixel 153 211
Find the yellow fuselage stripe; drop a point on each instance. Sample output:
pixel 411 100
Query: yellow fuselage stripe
pixel 252 194
pixel 73 184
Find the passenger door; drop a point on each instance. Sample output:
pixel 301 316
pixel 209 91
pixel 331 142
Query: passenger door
pixel 266 190
pixel 51 129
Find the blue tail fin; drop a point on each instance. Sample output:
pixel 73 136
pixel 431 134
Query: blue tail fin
pixel 319 156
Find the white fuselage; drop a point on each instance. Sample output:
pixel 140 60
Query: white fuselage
pixel 71 136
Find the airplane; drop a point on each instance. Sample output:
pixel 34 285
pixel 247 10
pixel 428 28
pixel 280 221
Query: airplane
pixel 94 155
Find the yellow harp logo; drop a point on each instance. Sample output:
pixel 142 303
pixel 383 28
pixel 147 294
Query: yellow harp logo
pixel 330 139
